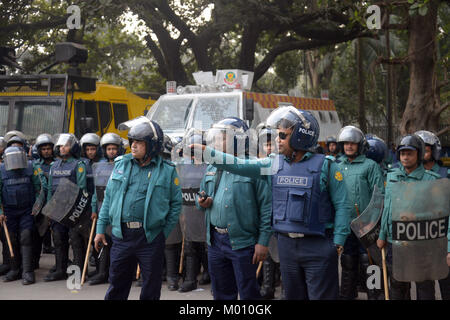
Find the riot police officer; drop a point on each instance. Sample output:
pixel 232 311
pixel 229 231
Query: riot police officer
pixel 311 214
pixel 112 147
pixel 360 174
pixel 19 182
pixel 410 152
pixel 44 150
pixel 237 230
pixel 69 166
pixel 4 267
pixel 425 289
pixel 192 220
pixel 142 203
pixel 333 148
pixel 90 147
pixel 378 152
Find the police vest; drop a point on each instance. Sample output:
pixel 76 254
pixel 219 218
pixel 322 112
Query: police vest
pixel 18 190
pixel 89 176
pixel 298 205
pixel 60 170
pixel 443 172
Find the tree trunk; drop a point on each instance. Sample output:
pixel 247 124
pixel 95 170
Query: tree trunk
pixel 422 108
pixel 361 80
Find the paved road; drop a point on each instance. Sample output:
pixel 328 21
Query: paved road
pixel 58 290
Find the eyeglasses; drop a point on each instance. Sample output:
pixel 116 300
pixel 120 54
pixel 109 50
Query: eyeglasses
pixel 283 135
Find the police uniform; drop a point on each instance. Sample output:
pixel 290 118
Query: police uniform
pixel 143 205
pixel 18 193
pixel 399 290
pixel 311 215
pixel 75 171
pixel 360 176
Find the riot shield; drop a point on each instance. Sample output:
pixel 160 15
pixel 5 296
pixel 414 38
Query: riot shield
pixel 101 171
pixel 367 225
pixel 273 249
pixel 68 204
pixel 175 235
pixel 419 230
pixel 192 220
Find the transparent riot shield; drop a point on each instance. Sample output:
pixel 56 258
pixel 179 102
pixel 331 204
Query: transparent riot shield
pixel 419 230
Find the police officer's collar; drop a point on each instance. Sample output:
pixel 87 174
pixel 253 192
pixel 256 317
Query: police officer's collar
pixel 306 156
pixel 153 160
pixel 416 174
pixel 359 158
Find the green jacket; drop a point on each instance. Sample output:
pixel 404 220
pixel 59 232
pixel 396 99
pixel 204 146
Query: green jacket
pixel 163 198
pixel 360 177
pixel 262 169
pixel 248 208
pixel 397 175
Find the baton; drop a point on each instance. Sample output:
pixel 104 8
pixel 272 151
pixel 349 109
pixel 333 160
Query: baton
pixel 88 251
pixel 138 272
pixel 386 288
pixel 11 252
pixel 259 268
pixel 180 270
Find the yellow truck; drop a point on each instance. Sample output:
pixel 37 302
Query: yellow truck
pixel 56 103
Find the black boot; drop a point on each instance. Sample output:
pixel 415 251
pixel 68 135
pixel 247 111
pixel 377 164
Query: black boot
pixel 192 267
pixel 37 248
pixel 47 243
pixel 349 278
pixel 103 267
pixel 268 285
pixel 61 256
pixel 172 254
pixel 78 247
pixel 15 262
pixel 364 263
pixel 425 290
pixel 6 265
pixel 28 257
pixel 204 278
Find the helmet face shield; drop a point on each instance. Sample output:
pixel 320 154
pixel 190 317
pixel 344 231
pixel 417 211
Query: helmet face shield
pixel 431 139
pixel 283 117
pixel 350 134
pixel 66 140
pixel 15 158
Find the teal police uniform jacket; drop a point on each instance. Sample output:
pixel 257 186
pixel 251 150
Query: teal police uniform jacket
pixel 331 181
pixel 360 177
pixel 163 198
pixel 241 204
pixel 397 175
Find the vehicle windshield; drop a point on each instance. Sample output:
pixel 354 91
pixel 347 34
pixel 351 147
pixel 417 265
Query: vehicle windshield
pixel 32 117
pixel 171 114
pixel 210 110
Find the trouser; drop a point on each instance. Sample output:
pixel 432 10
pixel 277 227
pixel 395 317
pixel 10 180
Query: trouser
pixel 231 271
pixel 309 267
pixel 79 240
pixel 444 285
pixel 125 253
pixel 425 290
pixel 398 290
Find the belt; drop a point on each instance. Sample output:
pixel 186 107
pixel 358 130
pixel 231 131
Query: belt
pixel 293 235
pixel 220 230
pixel 132 225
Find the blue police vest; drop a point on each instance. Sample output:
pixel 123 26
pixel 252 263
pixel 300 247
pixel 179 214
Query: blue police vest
pixel 443 172
pixel 60 170
pixel 89 176
pixel 18 190
pixel 298 204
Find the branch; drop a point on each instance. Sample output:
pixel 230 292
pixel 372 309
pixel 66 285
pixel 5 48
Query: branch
pixel 162 67
pixel 442 108
pixel 43 24
pixel 442 84
pixel 443 131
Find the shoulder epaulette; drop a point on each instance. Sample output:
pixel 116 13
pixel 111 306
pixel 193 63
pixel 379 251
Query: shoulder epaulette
pixel 170 163
pixel 118 158
pixel 432 173
pixel 330 157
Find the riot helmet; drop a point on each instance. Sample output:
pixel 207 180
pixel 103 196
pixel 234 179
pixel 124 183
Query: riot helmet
pixel 412 142
pixel 305 128
pixel 429 138
pixel 230 134
pixel 68 139
pixel 112 138
pixel 355 135
pixel 151 133
pixel 15 158
pixel 2 146
pixel 90 139
pixel 42 140
pixel 265 135
pixel 329 140
pixel 192 136
pixel 168 145
pixel 378 150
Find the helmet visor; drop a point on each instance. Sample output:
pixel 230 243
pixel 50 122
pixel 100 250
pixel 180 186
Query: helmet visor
pixel 15 159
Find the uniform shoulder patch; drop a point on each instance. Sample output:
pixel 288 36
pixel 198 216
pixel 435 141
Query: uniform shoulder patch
pixel 80 169
pixel 36 172
pixel 338 176
pixel 176 181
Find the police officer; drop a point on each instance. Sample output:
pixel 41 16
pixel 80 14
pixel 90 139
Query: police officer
pixel 425 289
pixel 237 218
pixel 333 148
pixel 432 153
pixel 90 147
pixel 142 203
pixel 410 152
pixel 69 166
pixel 378 152
pixel 19 181
pixel 44 151
pixel 4 267
pixel 270 269
pixel 311 214
pixel 112 147
pixel 361 174
pixel 192 219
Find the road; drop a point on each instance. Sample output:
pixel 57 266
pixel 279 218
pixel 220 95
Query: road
pixel 59 290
